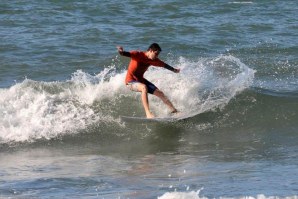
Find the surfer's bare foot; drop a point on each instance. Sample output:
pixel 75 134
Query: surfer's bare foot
pixel 174 111
pixel 149 115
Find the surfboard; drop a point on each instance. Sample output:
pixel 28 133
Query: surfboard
pixel 144 119
pixel 156 119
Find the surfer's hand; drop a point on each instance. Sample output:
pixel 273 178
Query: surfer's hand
pixel 120 49
pixel 177 70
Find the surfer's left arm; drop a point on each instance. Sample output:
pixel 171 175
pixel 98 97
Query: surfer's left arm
pixel 175 70
pixel 122 52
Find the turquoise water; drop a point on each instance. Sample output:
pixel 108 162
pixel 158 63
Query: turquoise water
pixel 62 92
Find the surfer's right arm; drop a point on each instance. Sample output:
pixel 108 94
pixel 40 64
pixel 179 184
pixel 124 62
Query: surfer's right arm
pixel 122 52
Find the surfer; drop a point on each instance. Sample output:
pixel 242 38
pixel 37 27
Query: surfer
pixel 135 81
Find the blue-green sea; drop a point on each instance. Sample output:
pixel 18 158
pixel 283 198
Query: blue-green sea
pixel 62 93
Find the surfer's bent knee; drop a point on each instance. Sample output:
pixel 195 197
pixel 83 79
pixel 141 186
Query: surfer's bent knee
pixel 139 87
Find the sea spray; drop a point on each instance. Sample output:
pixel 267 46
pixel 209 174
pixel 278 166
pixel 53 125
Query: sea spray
pixel 202 85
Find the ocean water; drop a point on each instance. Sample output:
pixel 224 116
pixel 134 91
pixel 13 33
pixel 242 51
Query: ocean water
pixel 62 92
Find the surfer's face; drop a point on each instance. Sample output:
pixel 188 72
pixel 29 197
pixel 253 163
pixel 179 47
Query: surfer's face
pixel 152 54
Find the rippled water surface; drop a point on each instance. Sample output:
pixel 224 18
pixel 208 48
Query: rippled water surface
pixel 62 93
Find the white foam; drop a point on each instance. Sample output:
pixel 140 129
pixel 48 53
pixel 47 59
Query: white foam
pixel 196 195
pixel 242 2
pixel 203 84
pixel 33 110
pixel 105 85
pixel 28 113
pixel 181 195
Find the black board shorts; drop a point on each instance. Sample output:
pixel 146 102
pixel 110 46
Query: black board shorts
pixel 133 85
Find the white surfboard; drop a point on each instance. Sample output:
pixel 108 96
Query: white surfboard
pixel 156 119
pixel 144 119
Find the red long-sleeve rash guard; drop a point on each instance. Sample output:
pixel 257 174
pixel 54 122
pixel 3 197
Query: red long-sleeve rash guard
pixel 138 65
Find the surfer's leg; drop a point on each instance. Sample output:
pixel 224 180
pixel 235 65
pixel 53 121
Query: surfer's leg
pixel 139 87
pixel 143 89
pixel 165 99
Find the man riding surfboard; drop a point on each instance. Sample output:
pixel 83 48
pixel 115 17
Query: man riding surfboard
pixel 139 64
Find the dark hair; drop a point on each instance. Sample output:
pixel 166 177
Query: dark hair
pixel 154 47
